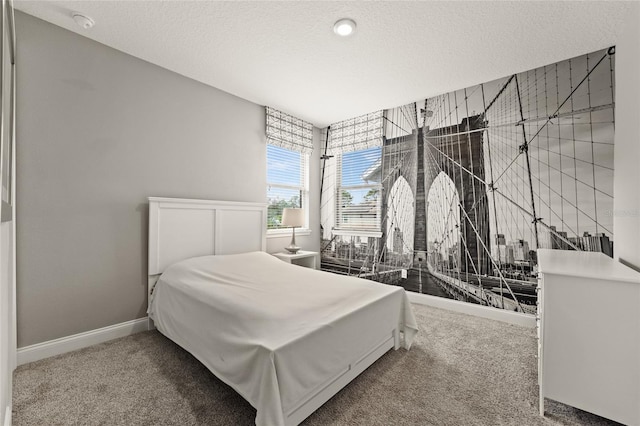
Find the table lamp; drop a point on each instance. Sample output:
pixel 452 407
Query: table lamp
pixel 292 218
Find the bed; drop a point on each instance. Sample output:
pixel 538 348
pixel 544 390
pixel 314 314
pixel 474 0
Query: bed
pixel 285 337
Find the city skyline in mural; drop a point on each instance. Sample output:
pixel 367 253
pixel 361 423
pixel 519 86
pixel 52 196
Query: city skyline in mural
pixel 451 195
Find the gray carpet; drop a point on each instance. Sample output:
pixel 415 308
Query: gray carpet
pixel 462 370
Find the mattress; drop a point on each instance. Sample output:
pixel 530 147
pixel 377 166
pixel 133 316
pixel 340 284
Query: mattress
pixel 275 332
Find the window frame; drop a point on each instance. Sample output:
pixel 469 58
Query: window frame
pixel 304 195
pixel 340 227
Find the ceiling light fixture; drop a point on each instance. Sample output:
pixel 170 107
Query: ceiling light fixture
pixel 344 27
pixel 82 20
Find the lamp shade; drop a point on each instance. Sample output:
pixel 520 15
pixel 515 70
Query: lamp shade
pixel 292 217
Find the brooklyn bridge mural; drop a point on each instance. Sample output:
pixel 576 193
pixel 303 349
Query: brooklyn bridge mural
pixel 452 195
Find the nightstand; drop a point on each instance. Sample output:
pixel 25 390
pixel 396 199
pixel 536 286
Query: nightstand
pixel 308 259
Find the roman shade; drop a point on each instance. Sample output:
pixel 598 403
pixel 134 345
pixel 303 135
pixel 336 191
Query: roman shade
pixel 356 133
pixel 289 132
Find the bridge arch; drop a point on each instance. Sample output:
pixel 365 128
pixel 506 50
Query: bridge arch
pixel 399 179
pixel 443 224
pixel 400 218
pixel 457 151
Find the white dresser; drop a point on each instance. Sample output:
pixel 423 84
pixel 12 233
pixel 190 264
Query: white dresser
pixel 589 334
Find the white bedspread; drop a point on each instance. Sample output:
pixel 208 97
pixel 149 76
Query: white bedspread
pixel 274 332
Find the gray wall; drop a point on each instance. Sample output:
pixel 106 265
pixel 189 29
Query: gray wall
pixel 98 131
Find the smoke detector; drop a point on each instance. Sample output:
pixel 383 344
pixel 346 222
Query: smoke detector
pixel 82 20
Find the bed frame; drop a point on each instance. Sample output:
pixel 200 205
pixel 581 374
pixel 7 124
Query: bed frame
pixel 181 228
pixel 184 228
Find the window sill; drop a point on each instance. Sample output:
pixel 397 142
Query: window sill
pixel 282 233
pixel 357 233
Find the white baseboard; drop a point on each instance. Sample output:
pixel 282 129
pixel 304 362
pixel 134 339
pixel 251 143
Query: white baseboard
pixel 7 416
pixel 81 340
pixel 89 338
pixel 510 317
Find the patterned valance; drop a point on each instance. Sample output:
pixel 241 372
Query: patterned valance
pixel 289 132
pixel 356 133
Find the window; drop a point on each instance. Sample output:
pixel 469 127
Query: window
pixel 357 145
pixel 358 190
pixel 289 144
pixel 286 183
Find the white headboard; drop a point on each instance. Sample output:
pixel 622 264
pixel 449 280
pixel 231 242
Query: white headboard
pixel 182 228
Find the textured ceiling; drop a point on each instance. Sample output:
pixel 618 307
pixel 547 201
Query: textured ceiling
pixel 285 55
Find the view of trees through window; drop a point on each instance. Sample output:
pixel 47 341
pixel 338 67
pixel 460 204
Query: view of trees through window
pixel 275 207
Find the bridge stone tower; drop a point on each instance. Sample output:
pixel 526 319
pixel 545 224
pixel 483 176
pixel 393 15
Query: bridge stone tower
pixel 451 150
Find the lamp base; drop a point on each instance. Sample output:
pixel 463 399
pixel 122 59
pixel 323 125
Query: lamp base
pixel 292 249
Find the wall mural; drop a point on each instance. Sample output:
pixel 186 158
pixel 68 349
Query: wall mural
pixel 452 195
